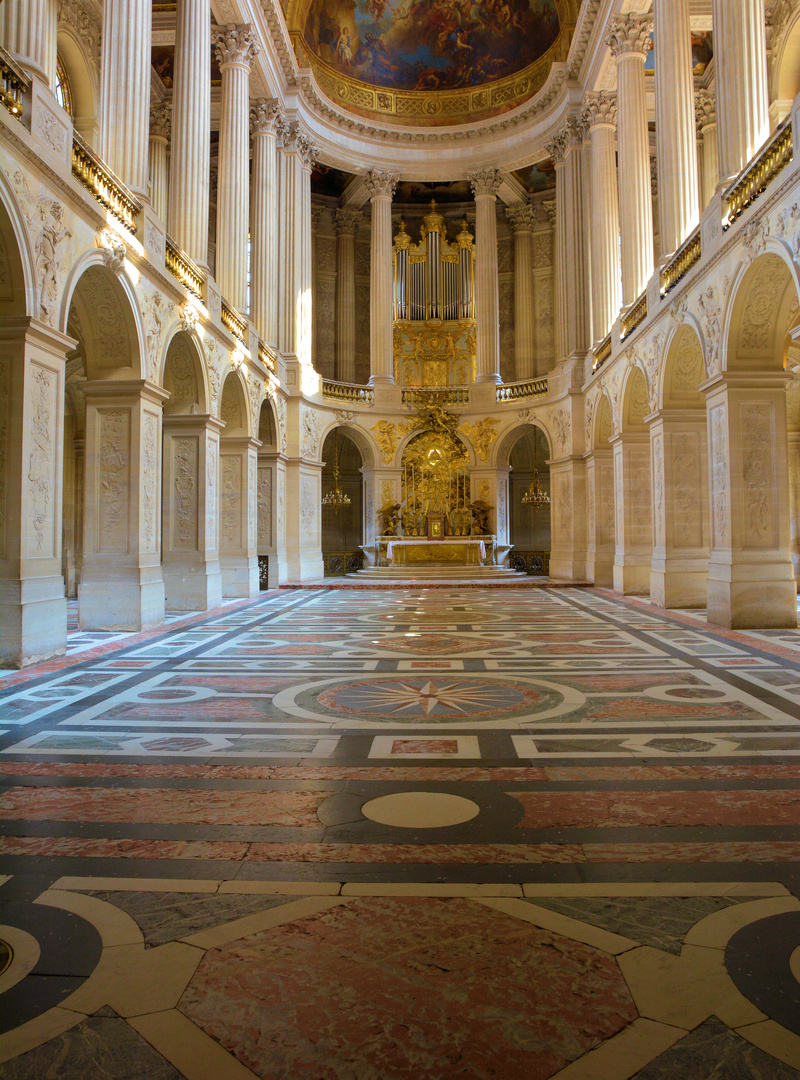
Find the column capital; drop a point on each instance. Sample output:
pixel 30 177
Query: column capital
pixel 346 220
pixel 568 137
pixel 306 151
pixel 236 45
pixel 265 117
pixel 549 207
pixel 630 35
pixel 599 110
pixel 381 184
pixel 161 120
pixel 521 218
pixel 485 182
pixel 705 109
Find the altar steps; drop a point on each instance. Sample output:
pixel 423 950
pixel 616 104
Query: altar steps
pixel 438 573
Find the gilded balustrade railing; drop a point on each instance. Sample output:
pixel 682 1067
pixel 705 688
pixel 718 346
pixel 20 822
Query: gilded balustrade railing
pixel 687 256
pixel 353 393
pixel 13 84
pixel 524 389
pixel 601 353
pixel 97 178
pixel 181 267
pixel 266 357
pixel 636 315
pixel 760 173
pixel 417 397
pixel 234 321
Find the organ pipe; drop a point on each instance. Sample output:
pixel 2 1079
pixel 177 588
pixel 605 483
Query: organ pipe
pixel 433 279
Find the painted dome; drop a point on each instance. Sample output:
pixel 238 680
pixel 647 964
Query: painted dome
pixel 430 61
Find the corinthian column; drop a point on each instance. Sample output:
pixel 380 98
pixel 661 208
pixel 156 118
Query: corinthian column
pixel 29 34
pixel 160 125
pixel 125 91
pixel 346 220
pixel 629 41
pixel 265 118
pixel 600 115
pixel 294 314
pixel 191 130
pixel 522 220
pixel 571 306
pixel 740 73
pixel 305 271
pixel 381 362
pixel 236 49
pixel 706 116
pixel 678 198
pixel 485 184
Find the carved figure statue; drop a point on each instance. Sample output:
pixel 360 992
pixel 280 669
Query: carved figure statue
pixel 390 518
pixel 480 517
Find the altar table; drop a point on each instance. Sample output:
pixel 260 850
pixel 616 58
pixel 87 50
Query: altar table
pixel 455 551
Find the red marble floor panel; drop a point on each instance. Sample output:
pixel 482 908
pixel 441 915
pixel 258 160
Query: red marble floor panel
pixel 425 746
pixel 445 854
pixel 612 809
pixel 732 852
pixel 675 709
pixel 167 806
pixel 408 988
pixel 80 847
pixel 215 710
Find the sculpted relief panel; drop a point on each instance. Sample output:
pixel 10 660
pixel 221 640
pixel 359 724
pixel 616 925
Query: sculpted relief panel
pixel 185 463
pixel 42 462
pixel 719 475
pixel 150 456
pixel 231 502
pixel 112 489
pixel 5 405
pixel 265 507
pixel 757 475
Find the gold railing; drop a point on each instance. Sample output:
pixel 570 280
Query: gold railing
pixel 636 315
pixel 525 389
pixel 687 255
pixel 181 267
pixel 439 395
pixel 97 178
pixel 265 356
pixel 234 321
pixel 354 393
pixel 13 84
pixel 775 156
pixel 602 352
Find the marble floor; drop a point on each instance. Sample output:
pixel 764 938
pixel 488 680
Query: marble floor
pixel 363 835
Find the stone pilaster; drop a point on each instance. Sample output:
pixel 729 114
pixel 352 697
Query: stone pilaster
pixel 265 120
pixel 236 49
pixel 706 117
pixel 485 184
pixel 572 330
pixel 740 76
pixel 600 115
pixel 633 526
pixel 160 131
pixel 600 523
pixel 381 186
pixel 678 199
pixel 191 130
pixel 523 221
pixel 346 221
pixel 629 41
pixel 125 91
pixel 238 493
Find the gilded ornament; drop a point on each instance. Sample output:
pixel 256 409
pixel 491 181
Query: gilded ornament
pixel 481 435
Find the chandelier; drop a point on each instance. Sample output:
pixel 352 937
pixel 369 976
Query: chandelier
pixel 535 496
pixel 336 499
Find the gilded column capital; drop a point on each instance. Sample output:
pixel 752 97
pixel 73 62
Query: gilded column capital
pixel 629 35
pixel 265 117
pixel 521 218
pixel 381 184
pixel 346 220
pixel 236 45
pixel 599 110
pixel 485 182
pixel 161 120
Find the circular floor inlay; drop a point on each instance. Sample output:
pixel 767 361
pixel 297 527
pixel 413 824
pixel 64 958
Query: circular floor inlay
pixel 420 810
pixel 6 956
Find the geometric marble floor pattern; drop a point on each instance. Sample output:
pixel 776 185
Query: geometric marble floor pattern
pixel 347 835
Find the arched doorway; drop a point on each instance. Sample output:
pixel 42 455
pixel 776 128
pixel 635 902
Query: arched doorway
pixel 270 478
pixel 529 518
pixel 343 528
pixel 238 468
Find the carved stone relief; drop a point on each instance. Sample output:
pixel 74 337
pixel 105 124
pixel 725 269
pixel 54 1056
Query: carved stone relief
pixel 230 409
pixel 112 487
pixel 309 518
pixel 212 457
pixel 562 428
pixel 231 503
pixel 719 474
pixel 45 220
pixel 757 467
pixel 309 433
pixel 149 488
pixel 658 489
pixel 180 378
pixel 711 321
pixel 5 405
pixel 184 498
pixel 265 507
pixel 42 461
pixel 154 311
pixel 761 305
pixel 686 479
pixel 252 493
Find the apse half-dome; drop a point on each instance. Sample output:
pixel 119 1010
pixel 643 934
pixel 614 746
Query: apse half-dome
pixel 430 61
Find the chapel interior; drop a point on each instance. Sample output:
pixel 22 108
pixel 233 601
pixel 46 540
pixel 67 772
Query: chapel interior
pixel 399 539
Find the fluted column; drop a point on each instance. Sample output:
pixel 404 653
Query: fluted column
pixel 522 220
pixel 629 41
pixel 288 188
pixel 191 130
pixel 125 91
pixel 740 75
pixel 265 119
pixel 305 306
pixel 236 49
pixel 381 361
pixel 600 114
pixel 160 127
pixel 706 116
pixel 485 184
pixel 679 205
pixel 571 320
pixel 29 34
pixel 346 220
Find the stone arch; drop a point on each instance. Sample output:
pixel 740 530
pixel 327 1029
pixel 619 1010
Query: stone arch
pixel 409 436
pixel 633 525
pixel 233 406
pixel 603 424
pixel 183 375
pixel 370 455
pixel 82 75
pixel 683 370
pixel 635 401
pixel 342 533
pixel 756 335
pixel 18 284
pixel 99 309
pixel 600 524
pixel 786 67
pixel 268 430
pixel 505 444
pixel 529 526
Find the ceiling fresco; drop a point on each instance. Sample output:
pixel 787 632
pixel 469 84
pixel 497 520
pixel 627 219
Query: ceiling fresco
pixel 430 61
